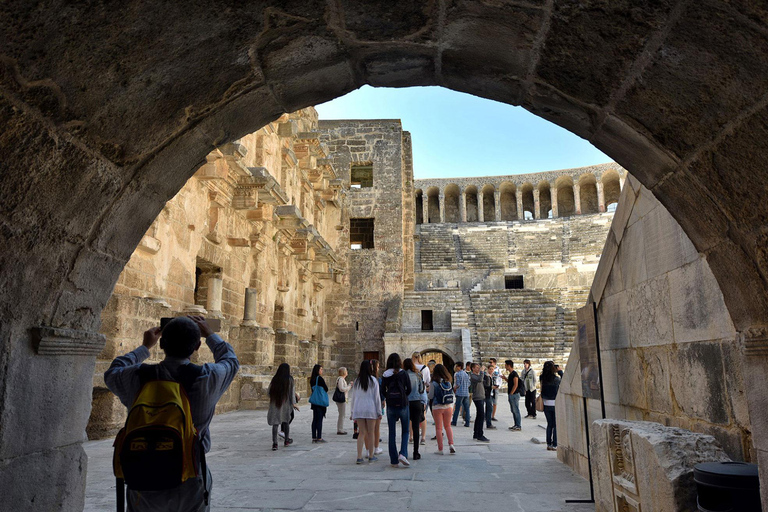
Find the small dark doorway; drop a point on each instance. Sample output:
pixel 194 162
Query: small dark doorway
pixel 371 355
pixel 513 283
pixel 426 320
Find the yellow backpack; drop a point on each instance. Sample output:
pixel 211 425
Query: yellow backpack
pixel 158 448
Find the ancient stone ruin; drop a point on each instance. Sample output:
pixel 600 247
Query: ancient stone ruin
pixel 106 112
pixel 305 240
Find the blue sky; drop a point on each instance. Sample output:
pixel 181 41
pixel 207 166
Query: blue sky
pixel 456 134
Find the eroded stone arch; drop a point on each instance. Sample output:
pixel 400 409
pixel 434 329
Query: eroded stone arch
pixel 93 147
pixel 508 200
pixel 452 210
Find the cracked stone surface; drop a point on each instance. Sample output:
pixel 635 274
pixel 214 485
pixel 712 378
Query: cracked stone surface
pixel 510 473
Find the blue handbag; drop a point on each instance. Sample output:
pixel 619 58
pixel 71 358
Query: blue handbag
pixel 319 396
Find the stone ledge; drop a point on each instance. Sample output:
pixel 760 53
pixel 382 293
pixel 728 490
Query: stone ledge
pixel 56 341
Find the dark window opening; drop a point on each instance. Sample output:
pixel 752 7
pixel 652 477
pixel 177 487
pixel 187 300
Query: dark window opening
pixel 513 283
pixel 426 320
pixel 371 355
pixel 361 176
pixel 357 326
pixel 361 234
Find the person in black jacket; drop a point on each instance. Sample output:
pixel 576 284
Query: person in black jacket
pixel 318 411
pixel 550 384
pixel 395 388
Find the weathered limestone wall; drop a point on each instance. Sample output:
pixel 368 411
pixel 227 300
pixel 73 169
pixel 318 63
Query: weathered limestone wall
pixel 460 277
pixel 251 240
pixel 669 350
pixel 374 279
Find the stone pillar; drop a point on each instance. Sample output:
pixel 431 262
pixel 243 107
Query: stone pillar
pixel 442 207
pixel 463 206
pixel 215 289
pixel 577 198
pixel 553 198
pixel 497 204
pixel 519 197
pixel 600 196
pixel 424 209
pixel 536 204
pixel 480 213
pixel 251 307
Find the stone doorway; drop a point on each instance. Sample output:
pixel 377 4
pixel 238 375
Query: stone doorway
pixel 439 357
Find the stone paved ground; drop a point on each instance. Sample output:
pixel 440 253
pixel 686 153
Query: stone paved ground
pixel 510 474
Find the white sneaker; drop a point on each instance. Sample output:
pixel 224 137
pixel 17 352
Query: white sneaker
pixel 281 434
pixel 439 452
pixel 453 449
pixel 378 451
pixel 403 460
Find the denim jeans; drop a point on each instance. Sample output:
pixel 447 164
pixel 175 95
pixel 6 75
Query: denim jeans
pixel 462 402
pixel 488 410
pixel 479 418
pixel 318 413
pixel 514 405
pixel 393 415
pixel 549 412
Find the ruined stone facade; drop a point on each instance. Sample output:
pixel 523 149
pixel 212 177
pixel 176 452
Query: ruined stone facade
pixel 252 239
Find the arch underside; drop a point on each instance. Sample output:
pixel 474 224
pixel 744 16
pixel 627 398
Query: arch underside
pixel 105 117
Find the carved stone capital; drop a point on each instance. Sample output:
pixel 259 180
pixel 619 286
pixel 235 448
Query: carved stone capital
pixel 756 341
pixel 58 341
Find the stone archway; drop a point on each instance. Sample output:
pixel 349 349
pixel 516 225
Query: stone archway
pixel 106 116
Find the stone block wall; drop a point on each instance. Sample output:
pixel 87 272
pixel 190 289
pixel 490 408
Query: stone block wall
pixel 669 350
pixel 374 278
pixel 251 240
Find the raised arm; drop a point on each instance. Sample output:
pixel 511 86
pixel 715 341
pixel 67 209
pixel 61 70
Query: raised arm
pixel 122 377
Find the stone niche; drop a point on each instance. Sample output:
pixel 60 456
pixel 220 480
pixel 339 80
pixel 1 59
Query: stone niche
pixel 640 466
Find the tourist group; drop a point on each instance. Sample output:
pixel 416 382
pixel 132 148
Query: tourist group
pixel 405 392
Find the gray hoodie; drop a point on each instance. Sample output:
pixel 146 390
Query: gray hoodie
pixel 478 389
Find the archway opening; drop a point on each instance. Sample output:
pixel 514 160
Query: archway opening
pixel 489 203
pixel 470 194
pixel 439 357
pixel 508 200
pixel 545 201
pixel 566 204
pixel 529 205
pixel 419 203
pixel 452 213
pixel 588 194
pixel 433 205
pixel 611 189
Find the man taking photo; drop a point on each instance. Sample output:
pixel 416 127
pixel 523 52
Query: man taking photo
pixel 204 385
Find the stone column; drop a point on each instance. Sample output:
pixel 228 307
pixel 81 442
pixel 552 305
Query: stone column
pixel 536 203
pixel 251 307
pixel 480 213
pixel 577 198
pixel 215 289
pixel 463 206
pixel 519 197
pixel 553 198
pixel 442 207
pixel 424 209
pixel 600 196
pixel 497 204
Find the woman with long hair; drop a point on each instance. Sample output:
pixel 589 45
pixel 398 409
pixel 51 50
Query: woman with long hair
pixel 375 367
pixel 318 411
pixel 396 386
pixel 441 388
pixel 416 405
pixel 550 384
pixel 282 401
pixel 366 409
pixel 342 387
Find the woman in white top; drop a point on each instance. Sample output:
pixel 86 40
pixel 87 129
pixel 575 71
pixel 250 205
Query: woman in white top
pixel 366 409
pixel 341 385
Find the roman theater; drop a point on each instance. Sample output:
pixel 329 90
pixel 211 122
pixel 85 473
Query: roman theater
pixel 161 159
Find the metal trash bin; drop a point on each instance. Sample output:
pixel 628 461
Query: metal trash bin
pixel 727 487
